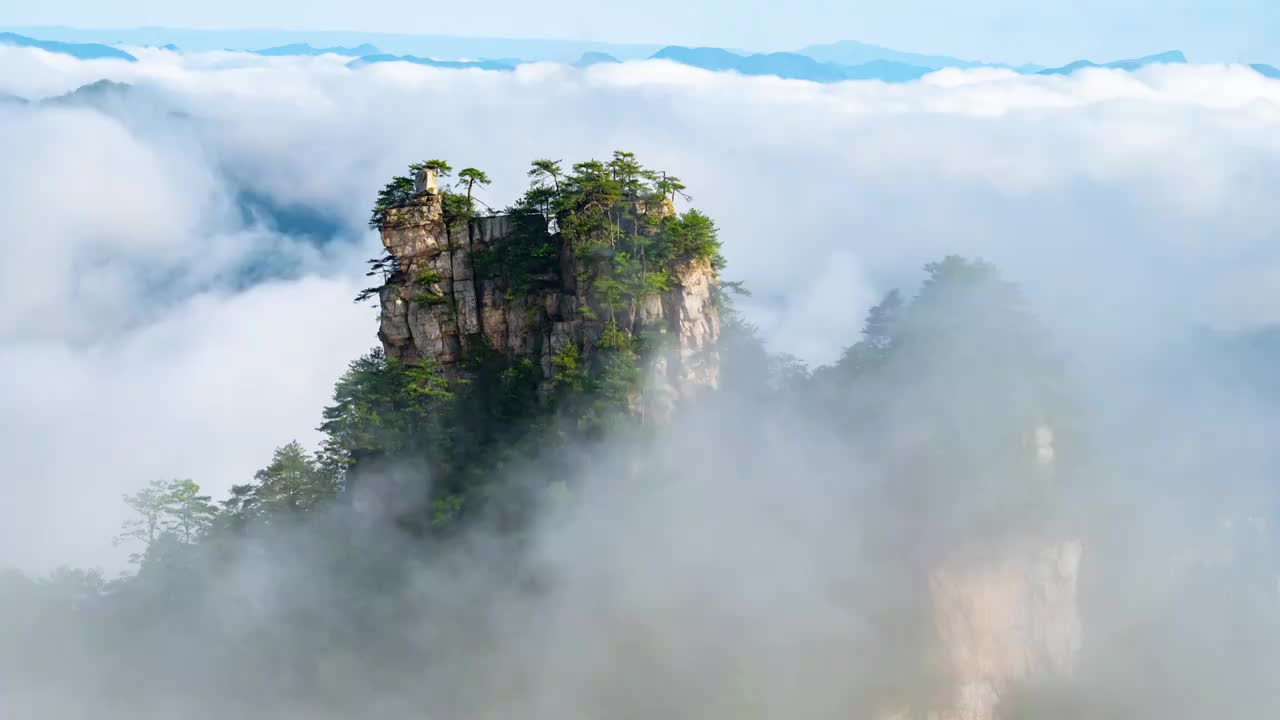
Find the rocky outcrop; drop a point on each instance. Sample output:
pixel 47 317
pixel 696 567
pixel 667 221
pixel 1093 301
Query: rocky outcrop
pixel 440 305
pixel 1008 618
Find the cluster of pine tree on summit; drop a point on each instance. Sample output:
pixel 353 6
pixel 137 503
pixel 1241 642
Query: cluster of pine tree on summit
pixel 617 219
pixel 590 206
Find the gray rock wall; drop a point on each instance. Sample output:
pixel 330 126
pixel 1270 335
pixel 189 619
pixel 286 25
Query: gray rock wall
pixel 459 311
pixel 1009 617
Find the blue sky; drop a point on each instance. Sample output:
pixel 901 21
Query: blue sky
pixel 1044 31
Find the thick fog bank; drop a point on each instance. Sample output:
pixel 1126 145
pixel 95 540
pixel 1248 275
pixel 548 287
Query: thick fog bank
pixel 181 258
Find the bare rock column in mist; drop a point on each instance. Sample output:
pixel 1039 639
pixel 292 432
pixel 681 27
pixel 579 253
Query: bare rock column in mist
pixel 1006 619
pixel 440 307
pixel 1006 612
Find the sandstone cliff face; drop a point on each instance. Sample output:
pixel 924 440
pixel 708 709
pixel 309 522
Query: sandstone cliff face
pixel 1004 619
pixel 440 307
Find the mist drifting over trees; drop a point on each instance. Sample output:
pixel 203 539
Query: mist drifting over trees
pixel 994 322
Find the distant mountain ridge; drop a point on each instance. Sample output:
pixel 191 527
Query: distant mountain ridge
pixel 118 99
pixel 824 63
pixel 793 66
pixel 852 52
pixel 500 65
pixel 1173 57
pixel 92 93
pixel 305 49
pixel 84 51
pixel 392 43
pixel 803 67
pixel 596 58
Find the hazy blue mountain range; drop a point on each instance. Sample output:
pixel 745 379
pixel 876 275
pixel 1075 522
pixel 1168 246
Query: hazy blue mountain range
pixel 304 49
pixel 804 67
pixel 708 58
pixel 502 64
pixel 832 62
pixel 84 51
pixel 595 58
pixel 120 100
pixel 852 52
pixel 130 104
pixel 791 65
pixel 1171 57
pixel 434 46
pixel 89 94
pixel 95 93
pixel 887 71
pixel 795 65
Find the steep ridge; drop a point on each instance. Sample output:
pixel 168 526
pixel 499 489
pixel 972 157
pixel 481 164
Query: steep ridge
pixel 452 300
pixel 83 51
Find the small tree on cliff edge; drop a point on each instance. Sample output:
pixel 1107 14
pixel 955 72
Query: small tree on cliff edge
pixel 472 177
pixel 543 169
pixel 441 167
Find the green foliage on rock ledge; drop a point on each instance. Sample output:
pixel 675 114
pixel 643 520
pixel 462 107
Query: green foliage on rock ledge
pixel 615 215
pixel 611 225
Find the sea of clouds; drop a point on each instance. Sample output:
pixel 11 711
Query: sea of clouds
pixel 150 327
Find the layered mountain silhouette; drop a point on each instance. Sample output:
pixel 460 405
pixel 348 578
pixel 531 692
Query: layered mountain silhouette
pixel 596 58
pixel 1172 57
pixel 793 66
pixel 100 94
pixel 305 49
pixel 824 63
pixel 852 52
pixel 124 101
pixel 503 64
pixel 84 51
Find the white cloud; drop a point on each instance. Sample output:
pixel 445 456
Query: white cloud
pixel 206 391
pixel 1124 202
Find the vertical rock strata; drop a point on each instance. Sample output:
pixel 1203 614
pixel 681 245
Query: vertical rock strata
pixel 440 307
pixel 1004 620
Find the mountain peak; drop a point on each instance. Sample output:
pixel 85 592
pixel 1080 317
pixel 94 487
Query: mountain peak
pixel 596 58
pixel 852 52
pixel 1171 57
pixel 305 49
pixel 83 51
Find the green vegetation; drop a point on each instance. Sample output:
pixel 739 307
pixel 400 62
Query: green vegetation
pixel 921 430
pixel 470 178
pixel 172 511
pixel 611 224
pixel 405 569
pixel 964 344
pixel 612 214
pixel 424 281
pixel 399 191
pixel 966 340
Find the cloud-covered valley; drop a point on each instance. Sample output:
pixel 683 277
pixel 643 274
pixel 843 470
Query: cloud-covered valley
pixel 179 260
